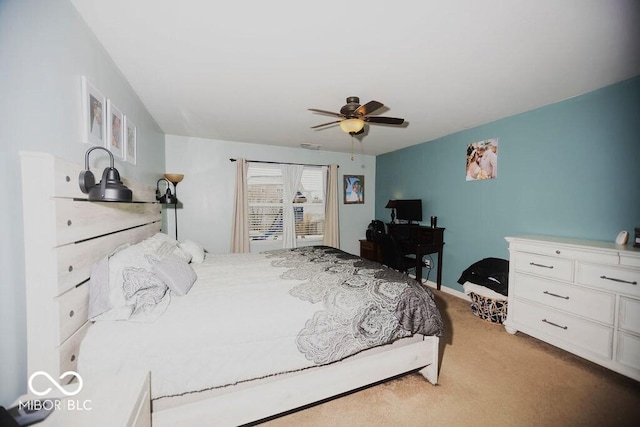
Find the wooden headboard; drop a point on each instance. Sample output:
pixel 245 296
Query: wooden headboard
pixel 64 235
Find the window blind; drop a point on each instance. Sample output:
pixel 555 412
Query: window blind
pixel 265 197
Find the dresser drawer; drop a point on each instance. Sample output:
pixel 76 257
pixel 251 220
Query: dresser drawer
pixel 584 302
pixel 546 266
pixel 575 332
pixel 610 278
pixel 630 259
pixel 553 249
pixel 629 350
pixel 629 319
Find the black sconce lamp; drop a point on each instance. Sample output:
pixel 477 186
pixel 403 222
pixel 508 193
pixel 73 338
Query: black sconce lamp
pixel 169 198
pixel 391 204
pixel 110 188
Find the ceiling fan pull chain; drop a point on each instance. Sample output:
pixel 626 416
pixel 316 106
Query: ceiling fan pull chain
pixel 352 148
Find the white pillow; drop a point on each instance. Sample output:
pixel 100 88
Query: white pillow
pixel 164 237
pixel 99 288
pixel 196 250
pixel 134 292
pixel 159 242
pixel 162 245
pixel 182 254
pixel 175 273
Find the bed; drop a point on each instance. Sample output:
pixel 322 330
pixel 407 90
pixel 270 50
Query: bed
pixel 328 345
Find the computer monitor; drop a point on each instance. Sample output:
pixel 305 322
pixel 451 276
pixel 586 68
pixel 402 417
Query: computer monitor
pixel 409 210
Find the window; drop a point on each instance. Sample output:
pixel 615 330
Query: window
pixel 265 196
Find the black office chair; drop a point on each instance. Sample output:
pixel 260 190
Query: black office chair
pixel 392 256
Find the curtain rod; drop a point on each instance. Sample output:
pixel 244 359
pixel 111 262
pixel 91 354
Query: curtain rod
pixel 279 163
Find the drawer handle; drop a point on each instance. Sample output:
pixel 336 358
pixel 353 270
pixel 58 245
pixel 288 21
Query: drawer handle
pixel 555 324
pixel 540 265
pixel 555 295
pixel 619 280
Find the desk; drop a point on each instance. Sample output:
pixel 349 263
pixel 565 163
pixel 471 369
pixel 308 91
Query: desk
pixel 420 240
pixel 371 250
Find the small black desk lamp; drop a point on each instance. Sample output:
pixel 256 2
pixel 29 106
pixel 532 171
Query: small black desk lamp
pixel 391 204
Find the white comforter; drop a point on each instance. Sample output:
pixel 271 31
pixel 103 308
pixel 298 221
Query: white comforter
pixel 202 341
pixel 250 316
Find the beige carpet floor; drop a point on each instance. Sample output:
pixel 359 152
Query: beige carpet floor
pixel 487 377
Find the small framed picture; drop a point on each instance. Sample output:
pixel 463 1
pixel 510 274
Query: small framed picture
pixel 130 141
pixel 353 189
pixel 482 160
pixel 93 111
pixel 115 130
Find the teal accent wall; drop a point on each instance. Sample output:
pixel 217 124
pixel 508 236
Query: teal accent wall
pixel 568 169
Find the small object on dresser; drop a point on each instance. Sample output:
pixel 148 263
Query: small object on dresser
pixel 636 242
pixel 622 238
pixel 434 221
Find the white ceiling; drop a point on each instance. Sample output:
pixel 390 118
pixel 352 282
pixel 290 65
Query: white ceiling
pixel 249 70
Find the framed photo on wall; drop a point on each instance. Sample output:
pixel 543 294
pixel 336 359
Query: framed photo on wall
pixel 93 112
pixel 353 189
pixel 482 160
pixel 115 130
pixel 130 141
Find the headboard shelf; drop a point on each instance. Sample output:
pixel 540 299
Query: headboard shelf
pixel 78 220
pixel 64 236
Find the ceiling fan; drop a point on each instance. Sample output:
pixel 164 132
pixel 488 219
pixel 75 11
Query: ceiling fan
pixel 353 116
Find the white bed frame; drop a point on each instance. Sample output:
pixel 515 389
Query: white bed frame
pixel 65 235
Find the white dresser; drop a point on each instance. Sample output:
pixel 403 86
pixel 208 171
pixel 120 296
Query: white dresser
pixel 579 295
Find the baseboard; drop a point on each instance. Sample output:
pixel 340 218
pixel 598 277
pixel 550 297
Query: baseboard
pixel 447 290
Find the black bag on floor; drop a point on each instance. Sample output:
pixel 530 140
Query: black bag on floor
pixel 492 273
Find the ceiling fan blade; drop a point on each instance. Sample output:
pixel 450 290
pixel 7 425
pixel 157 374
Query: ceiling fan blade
pixel 331 113
pixel 384 120
pixel 368 108
pixel 325 124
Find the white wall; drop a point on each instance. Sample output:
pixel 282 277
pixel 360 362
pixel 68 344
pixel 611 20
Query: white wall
pixel 44 49
pixel 207 192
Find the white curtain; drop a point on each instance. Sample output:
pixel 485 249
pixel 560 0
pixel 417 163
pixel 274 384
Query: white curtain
pixel 332 202
pixel 291 176
pixel 240 230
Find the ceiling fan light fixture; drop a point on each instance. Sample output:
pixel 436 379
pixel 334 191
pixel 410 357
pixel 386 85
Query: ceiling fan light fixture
pixel 352 125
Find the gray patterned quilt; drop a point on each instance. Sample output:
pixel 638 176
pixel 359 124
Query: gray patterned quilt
pixel 364 304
